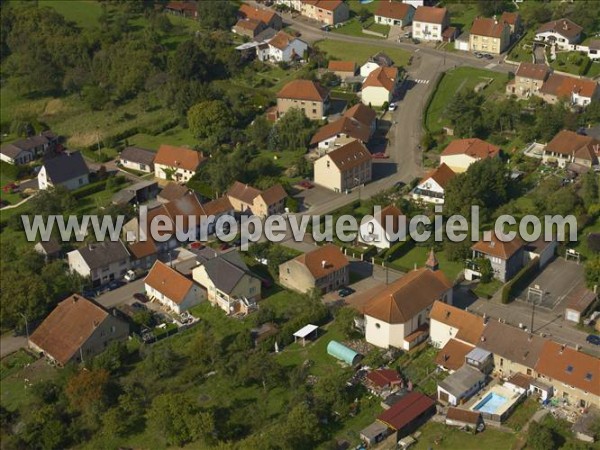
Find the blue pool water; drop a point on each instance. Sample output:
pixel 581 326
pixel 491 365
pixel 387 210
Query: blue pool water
pixel 364 2
pixel 490 403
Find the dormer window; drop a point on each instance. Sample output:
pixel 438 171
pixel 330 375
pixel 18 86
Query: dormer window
pixel 569 368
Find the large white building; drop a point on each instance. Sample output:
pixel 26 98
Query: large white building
pixel 380 86
pixel 282 48
pixel 398 316
pixel 432 188
pixel 172 289
pixel 176 163
pixel 344 168
pixel 429 23
pixel 101 262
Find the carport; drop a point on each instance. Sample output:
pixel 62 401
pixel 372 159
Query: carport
pixel 305 332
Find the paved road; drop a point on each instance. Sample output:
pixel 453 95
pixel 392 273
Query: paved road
pixel 10 344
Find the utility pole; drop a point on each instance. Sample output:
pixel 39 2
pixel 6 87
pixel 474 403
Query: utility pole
pixel 26 326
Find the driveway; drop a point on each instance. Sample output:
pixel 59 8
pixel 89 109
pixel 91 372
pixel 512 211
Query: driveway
pixel 10 344
pixel 121 295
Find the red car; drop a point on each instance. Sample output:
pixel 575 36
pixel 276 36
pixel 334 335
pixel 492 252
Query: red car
pixel 196 245
pixel 380 155
pixel 306 184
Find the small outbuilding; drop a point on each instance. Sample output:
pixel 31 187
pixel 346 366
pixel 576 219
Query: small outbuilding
pixel 374 433
pixel 464 418
pixel 305 332
pixel 343 353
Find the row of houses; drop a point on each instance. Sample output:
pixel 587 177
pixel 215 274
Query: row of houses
pixel 539 80
pixel 28 149
pixel 328 12
pixel 538 365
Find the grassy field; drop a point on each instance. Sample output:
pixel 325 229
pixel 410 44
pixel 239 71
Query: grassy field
pixel 359 53
pixel 354 28
pixel 571 62
pixel 461 78
pixel 439 436
pixel 462 14
pixel 175 136
pixel 522 52
pixel 487 290
pixel 418 255
pixel 84 13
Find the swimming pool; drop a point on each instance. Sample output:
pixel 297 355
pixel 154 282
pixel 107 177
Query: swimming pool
pixel 491 403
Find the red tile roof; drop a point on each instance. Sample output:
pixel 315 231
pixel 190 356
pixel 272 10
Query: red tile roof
pixel 442 175
pixel 169 282
pixel 179 157
pixel 496 247
pixel 463 415
pixel 452 355
pixel 274 194
pixel 563 86
pixel 362 113
pixel 409 408
pixel 349 156
pixel 303 90
pixel 406 297
pixel 263 15
pixel 217 206
pixel 572 144
pixel 384 377
pixel 474 147
pixel 281 40
pixel 393 9
pixel 469 326
pixel 329 5
pixel 570 366
pixel 385 77
pixel 430 14
pixel 487 27
pixel 343 125
pixel 68 327
pixel 533 71
pixel 142 249
pixel 510 18
pixel 323 260
pixel 342 66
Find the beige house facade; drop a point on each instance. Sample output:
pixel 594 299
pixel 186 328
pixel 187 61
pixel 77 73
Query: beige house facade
pixel 344 168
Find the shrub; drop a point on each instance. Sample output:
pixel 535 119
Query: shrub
pixel 520 280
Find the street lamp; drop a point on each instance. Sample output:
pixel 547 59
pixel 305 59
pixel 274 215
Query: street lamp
pixel 26 326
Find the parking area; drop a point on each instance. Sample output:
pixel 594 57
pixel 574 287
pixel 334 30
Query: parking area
pixel 556 281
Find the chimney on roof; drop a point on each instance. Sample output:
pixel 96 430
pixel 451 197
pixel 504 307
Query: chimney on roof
pixel 495 20
pixel 482 338
pixel 562 349
pixel 323 264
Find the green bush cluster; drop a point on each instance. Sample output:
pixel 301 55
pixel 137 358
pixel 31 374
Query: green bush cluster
pixel 522 279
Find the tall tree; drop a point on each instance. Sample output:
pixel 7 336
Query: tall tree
pixel 211 120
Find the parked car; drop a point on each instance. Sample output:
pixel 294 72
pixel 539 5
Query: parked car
pixel 488 56
pixel 380 155
pixel 306 184
pixel 478 55
pixel 130 276
pixel 593 339
pixel 89 293
pixel 345 292
pixel 399 184
pixel 140 297
pixel 114 284
pixel 392 107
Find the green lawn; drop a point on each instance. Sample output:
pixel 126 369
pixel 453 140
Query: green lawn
pixel 462 14
pixel 582 245
pixel 418 255
pixel 359 53
pixel 315 351
pixel 15 391
pixel 175 136
pixel 354 28
pixel 523 52
pixel 521 415
pixel 571 62
pixel 453 82
pixel 439 436
pixel 83 12
pixel 487 290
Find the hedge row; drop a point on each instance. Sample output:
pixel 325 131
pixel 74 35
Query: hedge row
pixel 398 250
pixel 521 280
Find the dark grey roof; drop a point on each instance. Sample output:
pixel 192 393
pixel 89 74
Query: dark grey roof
pixel 139 155
pixel 102 254
pixel 11 150
pixel 382 59
pixel 265 35
pixel 226 270
pixel 49 248
pixel 31 142
pixel 462 380
pixel 65 167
